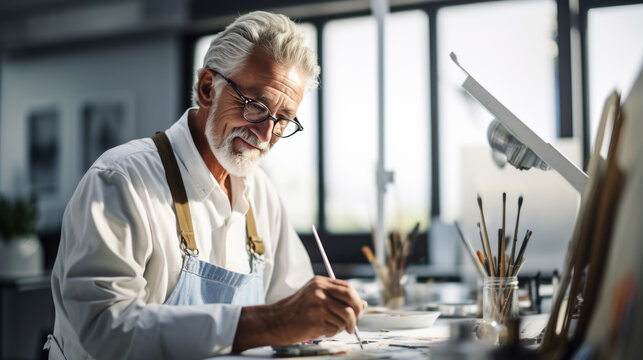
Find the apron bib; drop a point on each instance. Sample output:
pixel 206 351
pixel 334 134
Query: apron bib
pixel 203 283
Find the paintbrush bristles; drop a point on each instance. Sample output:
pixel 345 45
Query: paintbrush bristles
pixel 368 253
pixel 483 262
pixel 480 257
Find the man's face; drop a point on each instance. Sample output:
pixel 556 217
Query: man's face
pixel 236 143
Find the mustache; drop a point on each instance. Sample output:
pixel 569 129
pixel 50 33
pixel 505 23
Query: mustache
pixel 250 137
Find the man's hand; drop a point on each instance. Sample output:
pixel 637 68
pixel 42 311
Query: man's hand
pixel 323 306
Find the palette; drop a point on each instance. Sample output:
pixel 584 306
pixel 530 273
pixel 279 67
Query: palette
pixel 377 320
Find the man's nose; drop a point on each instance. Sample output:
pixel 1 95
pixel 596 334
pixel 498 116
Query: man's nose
pixel 264 130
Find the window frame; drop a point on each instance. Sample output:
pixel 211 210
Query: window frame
pixel 581 19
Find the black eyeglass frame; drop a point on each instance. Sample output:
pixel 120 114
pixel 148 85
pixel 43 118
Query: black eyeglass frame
pixel 247 101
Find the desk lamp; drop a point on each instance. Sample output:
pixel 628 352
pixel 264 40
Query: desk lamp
pixel 522 146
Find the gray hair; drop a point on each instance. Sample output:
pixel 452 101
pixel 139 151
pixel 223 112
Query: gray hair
pixel 280 36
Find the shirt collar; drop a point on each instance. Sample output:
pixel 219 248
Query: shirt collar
pixel 200 177
pixel 240 193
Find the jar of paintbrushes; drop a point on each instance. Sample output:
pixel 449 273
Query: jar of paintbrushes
pixel 499 270
pixel 398 248
pixel 500 288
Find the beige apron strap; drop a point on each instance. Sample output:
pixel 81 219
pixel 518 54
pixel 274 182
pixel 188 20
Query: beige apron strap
pixel 175 182
pixel 254 241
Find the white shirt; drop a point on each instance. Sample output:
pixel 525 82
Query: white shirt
pixel 119 256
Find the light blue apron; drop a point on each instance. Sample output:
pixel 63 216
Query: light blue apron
pixel 203 283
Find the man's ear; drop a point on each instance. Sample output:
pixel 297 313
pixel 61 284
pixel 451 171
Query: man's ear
pixel 205 88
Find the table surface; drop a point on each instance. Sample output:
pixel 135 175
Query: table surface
pixel 394 344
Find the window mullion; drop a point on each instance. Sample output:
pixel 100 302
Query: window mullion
pixel 321 200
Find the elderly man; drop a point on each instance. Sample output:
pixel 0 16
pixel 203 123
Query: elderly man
pixel 172 246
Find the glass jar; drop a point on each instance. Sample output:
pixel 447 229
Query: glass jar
pixel 499 299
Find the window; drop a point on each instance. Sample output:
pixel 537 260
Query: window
pixel 510 48
pixel 614 55
pixel 350 122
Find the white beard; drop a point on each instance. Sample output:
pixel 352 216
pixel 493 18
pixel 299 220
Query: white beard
pixel 236 163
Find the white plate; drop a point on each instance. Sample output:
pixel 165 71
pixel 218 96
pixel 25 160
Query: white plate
pixel 396 319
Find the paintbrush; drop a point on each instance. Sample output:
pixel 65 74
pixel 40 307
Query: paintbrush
pixel 521 253
pixel 408 245
pixel 331 274
pixel 395 275
pixel 396 249
pixel 512 259
pixel 519 266
pixel 482 261
pixel 470 250
pixel 484 251
pixel 503 271
pixel 414 233
pixel 500 252
pixel 408 242
pixel 376 264
pixel 389 256
pixel 486 235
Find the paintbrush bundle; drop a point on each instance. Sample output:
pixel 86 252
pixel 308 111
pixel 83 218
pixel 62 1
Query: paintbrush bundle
pixel 502 264
pixel 398 248
pixel 500 271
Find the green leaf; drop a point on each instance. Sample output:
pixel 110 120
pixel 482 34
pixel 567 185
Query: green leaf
pixel 17 216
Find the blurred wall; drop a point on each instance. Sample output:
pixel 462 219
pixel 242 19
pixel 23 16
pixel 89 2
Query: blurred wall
pixel 142 73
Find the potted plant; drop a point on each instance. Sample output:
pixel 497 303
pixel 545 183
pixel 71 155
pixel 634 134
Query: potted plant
pixel 21 253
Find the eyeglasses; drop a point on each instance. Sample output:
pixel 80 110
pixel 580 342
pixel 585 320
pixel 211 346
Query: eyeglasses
pixel 256 112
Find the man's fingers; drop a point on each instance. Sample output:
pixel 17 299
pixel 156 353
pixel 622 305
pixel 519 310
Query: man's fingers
pixel 345 313
pixel 341 291
pixel 333 323
pixel 339 288
pixel 347 296
pixel 330 329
